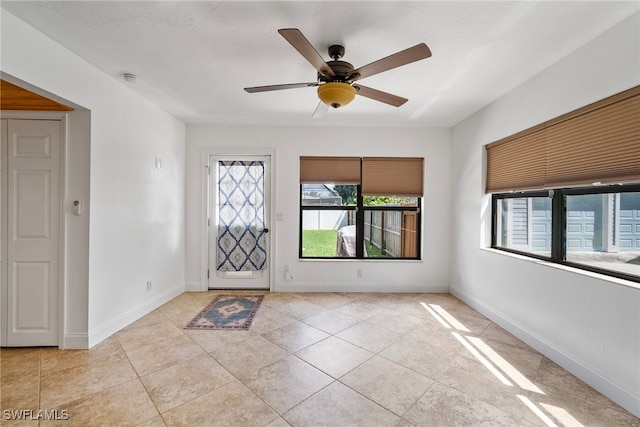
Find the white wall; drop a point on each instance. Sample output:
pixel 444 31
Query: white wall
pixel 430 274
pixel 586 323
pixel 133 228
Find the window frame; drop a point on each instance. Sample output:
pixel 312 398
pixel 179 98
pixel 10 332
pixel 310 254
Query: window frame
pixel 360 209
pixel 559 223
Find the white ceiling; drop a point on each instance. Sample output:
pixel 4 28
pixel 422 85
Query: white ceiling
pixel 193 58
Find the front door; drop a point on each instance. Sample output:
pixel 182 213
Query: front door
pixel 239 222
pixel 31 156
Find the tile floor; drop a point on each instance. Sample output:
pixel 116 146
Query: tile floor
pixel 357 359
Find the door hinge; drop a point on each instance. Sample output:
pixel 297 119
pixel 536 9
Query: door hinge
pixel 208 271
pixel 208 222
pixel 208 169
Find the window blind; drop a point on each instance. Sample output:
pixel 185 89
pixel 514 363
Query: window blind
pixel 397 176
pixel 335 170
pixel 596 143
pixel 517 163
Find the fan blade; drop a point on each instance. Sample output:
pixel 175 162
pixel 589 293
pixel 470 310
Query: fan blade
pixel 321 110
pixel 306 49
pixel 378 95
pixel 398 59
pixel 278 87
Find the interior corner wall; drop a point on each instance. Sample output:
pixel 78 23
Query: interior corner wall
pixel 588 324
pixel 135 228
pixel 431 274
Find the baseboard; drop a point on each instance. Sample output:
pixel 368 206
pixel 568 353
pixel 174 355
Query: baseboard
pixel 359 287
pixel 192 287
pixel 75 341
pixel 595 379
pixel 109 328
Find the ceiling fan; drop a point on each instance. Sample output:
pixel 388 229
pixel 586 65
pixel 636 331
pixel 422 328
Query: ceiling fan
pixel 336 79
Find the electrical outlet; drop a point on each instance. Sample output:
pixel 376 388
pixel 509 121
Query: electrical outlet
pixel 148 285
pixel 359 272
pixel 288 276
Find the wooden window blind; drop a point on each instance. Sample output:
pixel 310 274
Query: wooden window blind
pixel 397 176
pixel 596 143
pixel 335 170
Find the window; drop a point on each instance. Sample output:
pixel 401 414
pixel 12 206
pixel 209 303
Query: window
pixel 592 228
pixel 590 158
pixel 353 207
pixel 524 223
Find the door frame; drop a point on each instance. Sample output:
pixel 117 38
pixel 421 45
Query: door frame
pixel 63 118
pixel 205 153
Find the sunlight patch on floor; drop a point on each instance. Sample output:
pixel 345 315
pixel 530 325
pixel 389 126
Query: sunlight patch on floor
pixel 501 368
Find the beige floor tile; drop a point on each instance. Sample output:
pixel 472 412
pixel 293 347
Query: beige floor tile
pixel 185 381
pixel 148 319
pixel 163 353
pixel 222 408
pixel 331 321
pixel 53 359
pixel 301 309
pixel 473 378
pixel 19 394
pixel 287 382
pixel 334 356
pixel 295 336
pixel 397 322
pixel 228 378
pixel 431 359
pixel 64 386
pixel 338 405
pixel 494 332
pixel 369 336
pixel 268 319
pixel 326 299
pixel 210 340
pixel 19 364
pixel 359 309
pixel 122 405
pixel 152 422
pixel 442 406
pixel 283 301
pixel 519 363
pixel 565 409
pixel 278 422
pixel 390 385
pixel 551 375
pixel 140 335
pixel 248 356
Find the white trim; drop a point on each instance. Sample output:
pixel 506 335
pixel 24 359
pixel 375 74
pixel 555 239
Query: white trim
pixel 192 287
pixel 75 341
pixel 205 153
pixel 594 378
pixel 360 287
pixel 33 115
pixel 124 319
pixel 62 272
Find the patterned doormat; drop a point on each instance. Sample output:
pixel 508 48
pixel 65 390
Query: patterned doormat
pixel 228 312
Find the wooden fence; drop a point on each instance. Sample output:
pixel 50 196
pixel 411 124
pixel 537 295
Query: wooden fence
pixel 392 232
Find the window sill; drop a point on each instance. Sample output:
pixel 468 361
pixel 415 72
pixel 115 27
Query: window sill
pixel 360 259
pixel 567 268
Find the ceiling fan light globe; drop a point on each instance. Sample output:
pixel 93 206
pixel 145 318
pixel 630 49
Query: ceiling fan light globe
pixel 336 94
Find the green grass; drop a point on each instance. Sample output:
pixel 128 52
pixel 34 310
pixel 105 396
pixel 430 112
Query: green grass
pixel 319 243
pixel 322 243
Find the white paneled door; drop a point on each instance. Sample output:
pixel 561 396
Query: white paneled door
pixel 31 156
pixel 239 199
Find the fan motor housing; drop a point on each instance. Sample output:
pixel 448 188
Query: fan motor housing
pixel 341 70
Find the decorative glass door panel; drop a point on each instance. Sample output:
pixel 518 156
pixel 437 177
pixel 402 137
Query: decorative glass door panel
pixel 239 243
